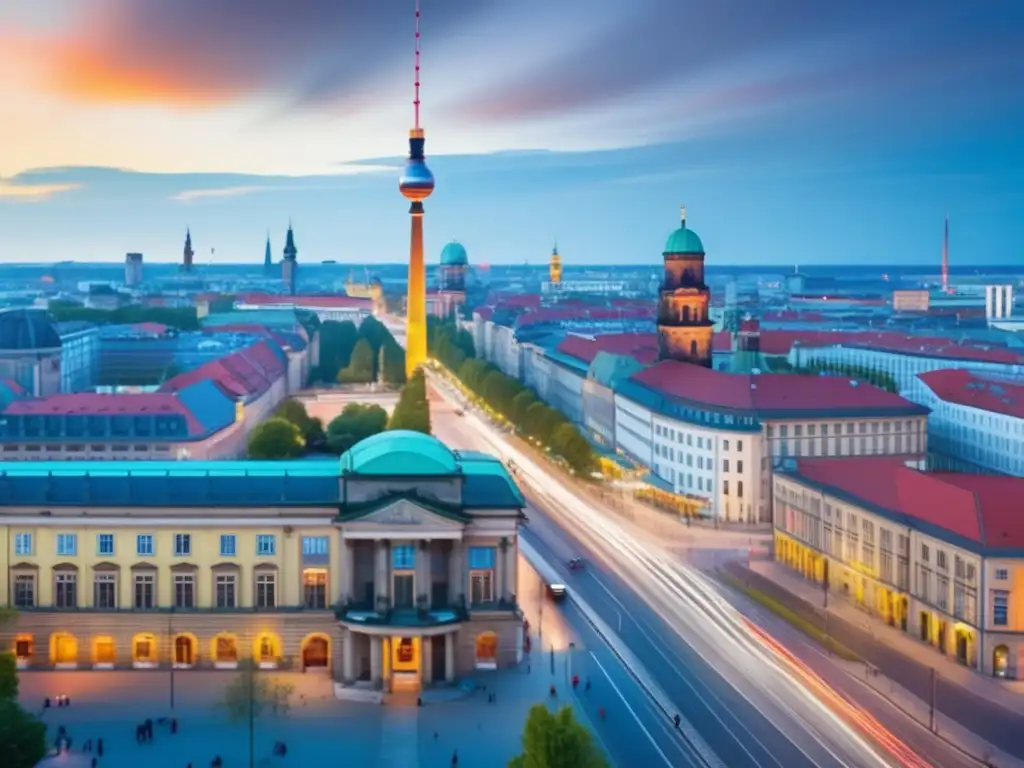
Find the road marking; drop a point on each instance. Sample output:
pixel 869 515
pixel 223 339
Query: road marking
pixel 633 713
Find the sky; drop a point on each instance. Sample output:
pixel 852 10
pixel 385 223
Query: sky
pixel 794 131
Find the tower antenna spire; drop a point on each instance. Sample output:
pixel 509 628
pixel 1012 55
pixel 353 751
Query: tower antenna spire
pixel 416 82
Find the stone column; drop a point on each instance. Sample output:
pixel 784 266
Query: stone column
pixel 348 660
pixel 346 563
pixel 511 569
pixel 380 579
pixel 426 588
pixel 375 660
pixel 455 571
pixel 449 657
pixel 427 659
pixel 499 571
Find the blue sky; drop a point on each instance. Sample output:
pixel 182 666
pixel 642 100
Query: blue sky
pixel 794 131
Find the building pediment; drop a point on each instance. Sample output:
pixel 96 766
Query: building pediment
pixel 402 517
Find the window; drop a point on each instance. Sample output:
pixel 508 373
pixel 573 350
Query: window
pixel 67 544
pixel 403 557
pixel 266 584
pixel 105 544
pixel 725 465
pixel 739 467
pixel 66 592
pixel 226 588
pixel 184 590
pixel 227 545
pixel 144 545
pixel 1000 603
pixel 266 544
pixel 725 444
pixel 182 544
pixel 924 552
pixel 739 445
pixel 316 545
pixel 145 589
pixel 725 487
pixel 1002 574
pixel 940 559
pixel 314 588
pixel 739 489
pixel 104 590
pixel 25 591
pixel 23 544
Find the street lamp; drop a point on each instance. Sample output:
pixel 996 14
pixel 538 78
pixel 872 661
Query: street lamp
pixel 173 652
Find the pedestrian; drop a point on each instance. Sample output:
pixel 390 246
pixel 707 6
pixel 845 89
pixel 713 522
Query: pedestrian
pixel 455 758
pixel 99 747
pixel 95 761
pixel 676 720
pixel 586 685
pixel 46 703
pixel 174 725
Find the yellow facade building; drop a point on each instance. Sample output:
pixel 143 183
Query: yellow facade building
pixel 938 555
pixel 394 566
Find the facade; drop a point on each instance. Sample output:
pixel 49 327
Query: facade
pixel 940 556
pixel 977 423
pixel 30 351
pixel 685 329
pixel 910 300
pixel 132 269
pixel 395 568
pixel 80 356
pixel 451 294
pixel 555 267
pixel 717 437
pixel 998 302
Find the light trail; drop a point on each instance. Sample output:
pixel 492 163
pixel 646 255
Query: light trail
pixel 753 667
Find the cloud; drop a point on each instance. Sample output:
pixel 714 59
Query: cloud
pixel 191 195
pixel 12 191
pixel 278 184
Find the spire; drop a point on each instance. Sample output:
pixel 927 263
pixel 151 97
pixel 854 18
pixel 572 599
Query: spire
pixel 945 257
pixel 188 253
pixel 554 249
pixel 268 260
pixel 290 251
pixel 682 216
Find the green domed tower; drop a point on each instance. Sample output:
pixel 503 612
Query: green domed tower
pixel 685 330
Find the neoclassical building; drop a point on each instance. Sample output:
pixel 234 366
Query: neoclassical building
pixel 395 567
pixel 685 329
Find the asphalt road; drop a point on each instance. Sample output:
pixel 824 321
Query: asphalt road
pixel 990 721
pixel 738 734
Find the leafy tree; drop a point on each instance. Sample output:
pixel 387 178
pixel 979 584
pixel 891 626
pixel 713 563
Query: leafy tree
pixel 556 741
pixel 356 422
pixel 251 694
pixel 337 340
pixel 182 318
pixel 311 429
pixel 8 676
pixel 473 372
pixel 568 443
pixel 413 409
pixel 22 736
pixel 360 367
pixel 520 403
pixel 276 439
pixel 393 365
pixel 374 332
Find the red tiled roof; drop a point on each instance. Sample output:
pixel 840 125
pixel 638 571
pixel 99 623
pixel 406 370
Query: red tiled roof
pixel 770 392
pixel 750 326
pixel 643 347
pixel 555 315
pixel 981 508
pixel 325 301
pixel 780 342
pixel 955 385
pixel 90 404
pixel 793 316
pixel 245 374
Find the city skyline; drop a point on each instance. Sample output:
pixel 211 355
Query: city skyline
pixel 788 136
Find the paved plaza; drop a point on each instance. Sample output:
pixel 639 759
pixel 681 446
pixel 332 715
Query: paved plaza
pixel 109 705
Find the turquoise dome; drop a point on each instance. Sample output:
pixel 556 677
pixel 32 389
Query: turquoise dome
pixel 684 240
pixel 454 255
pixel 399 452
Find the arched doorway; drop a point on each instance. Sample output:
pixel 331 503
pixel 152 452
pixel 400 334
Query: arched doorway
pixel 1000 661
pixel 103 652
pixel 184 651
pixel 145 651
pixel 64 650
pixel 24 646
pixel 487 650
pixel 225 651
pixel 693 348
pixel 315 651
pixel 267 650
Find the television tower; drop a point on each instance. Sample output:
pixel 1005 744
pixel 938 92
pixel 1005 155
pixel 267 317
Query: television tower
pixel 416 182
pixel 945 258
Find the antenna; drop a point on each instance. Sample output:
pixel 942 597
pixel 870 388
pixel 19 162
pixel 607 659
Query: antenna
pixel 416 99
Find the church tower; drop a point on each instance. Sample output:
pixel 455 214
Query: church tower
pixel 289 264
pixel 684 328
pixel 188 253
pixel 555 267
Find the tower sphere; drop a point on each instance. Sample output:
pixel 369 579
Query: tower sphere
pixel 416 182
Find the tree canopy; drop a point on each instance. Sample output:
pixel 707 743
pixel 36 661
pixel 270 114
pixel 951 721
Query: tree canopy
pixel 356 422
pixel 360 367
pixel 22 734
pixel 449 343
pixel 337 340
pixel 183 318
pixel 413 409
pixel 556 741
pixel 251 693
pixel 311 429
pixel 276 438
pixel 343 359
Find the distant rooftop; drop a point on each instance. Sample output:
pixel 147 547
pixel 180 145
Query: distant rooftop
pixel 965 388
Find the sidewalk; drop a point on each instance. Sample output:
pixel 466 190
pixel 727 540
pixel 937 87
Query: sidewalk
pixel 1007 693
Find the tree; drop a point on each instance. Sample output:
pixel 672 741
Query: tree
pixel 472 373
pixel 520 403
pixel 337 340
pixel 276 439
pixel 360 366
pixel 8 676
pixel 568 443
pixel 356 422
pixel 413 409
pixel 22 736
pixel 556 741
pixel 393 365
pixel 311 429
pixel 250 694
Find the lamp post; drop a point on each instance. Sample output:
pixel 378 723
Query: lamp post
pixel 173 650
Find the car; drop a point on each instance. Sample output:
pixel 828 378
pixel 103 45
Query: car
pixel 459 412
pixel 576 564
pixel 556 591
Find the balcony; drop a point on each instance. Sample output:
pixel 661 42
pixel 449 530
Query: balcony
pixel 385 615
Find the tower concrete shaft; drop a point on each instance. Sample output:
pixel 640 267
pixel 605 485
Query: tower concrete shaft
pixel 416 303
